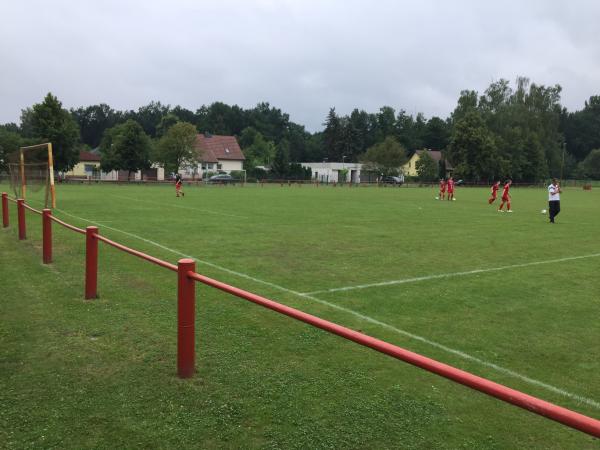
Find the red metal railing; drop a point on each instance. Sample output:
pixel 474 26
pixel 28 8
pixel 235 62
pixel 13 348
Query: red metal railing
pixel 187 276
pixel 67 225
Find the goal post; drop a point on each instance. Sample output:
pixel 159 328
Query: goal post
pixel 35 168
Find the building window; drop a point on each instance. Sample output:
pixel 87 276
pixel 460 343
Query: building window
pixel 219 166
pixel 89 168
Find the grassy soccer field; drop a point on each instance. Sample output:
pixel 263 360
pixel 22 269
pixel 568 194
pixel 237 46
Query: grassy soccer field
pixel 504 296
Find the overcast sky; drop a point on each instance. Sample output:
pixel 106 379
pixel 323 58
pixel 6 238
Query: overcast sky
pixel 301 56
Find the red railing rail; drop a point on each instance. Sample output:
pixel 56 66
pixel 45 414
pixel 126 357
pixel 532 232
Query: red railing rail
pixel 26 206
pixel 186 297
pixel 152 259
pixel 67 225
pixel 528 402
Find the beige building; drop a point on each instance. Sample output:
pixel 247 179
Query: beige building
pixel 87 168
pixel 410 168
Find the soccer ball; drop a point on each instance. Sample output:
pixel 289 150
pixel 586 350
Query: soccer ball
pixel 543 211
pixel 437 198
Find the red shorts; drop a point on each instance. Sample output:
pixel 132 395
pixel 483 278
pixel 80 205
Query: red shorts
pixel 177 186
pixel 505 199
pixel 450 191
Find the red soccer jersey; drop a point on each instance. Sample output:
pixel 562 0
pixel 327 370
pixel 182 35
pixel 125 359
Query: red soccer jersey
pixel 495 188
pixel 505 191
pixel 442 186
pixel 450 185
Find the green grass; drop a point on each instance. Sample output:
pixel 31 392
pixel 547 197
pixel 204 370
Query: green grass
pixel 101 374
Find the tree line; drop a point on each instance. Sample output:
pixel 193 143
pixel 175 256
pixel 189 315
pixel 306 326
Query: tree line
pixel 521 132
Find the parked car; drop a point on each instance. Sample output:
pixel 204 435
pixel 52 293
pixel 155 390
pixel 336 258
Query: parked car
pixel 222 178
pixel 393 180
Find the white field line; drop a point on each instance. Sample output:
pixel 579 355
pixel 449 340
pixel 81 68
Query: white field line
pixel 451 274
pixel 208 211
pixel 548 387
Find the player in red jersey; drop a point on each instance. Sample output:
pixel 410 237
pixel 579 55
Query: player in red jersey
pixel 178 184
pixel 442 189
pixel 450 188
pixel 506 197
pixel 494 192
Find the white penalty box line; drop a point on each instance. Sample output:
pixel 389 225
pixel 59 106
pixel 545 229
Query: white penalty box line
pixel 449 275
pixel 463 355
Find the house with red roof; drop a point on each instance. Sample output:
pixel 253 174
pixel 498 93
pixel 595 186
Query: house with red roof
pixel 219 153
pixel 216 153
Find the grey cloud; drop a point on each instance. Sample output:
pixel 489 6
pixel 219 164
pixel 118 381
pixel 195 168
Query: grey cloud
pixel 301 56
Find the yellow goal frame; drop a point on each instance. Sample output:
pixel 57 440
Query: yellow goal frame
pixel 47 145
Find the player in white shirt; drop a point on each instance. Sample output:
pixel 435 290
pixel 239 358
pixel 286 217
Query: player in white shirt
pixel 553 199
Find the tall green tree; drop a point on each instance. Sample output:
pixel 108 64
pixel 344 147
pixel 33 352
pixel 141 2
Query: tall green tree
pixel 9 144
pixel 270 121
pixel 220 118
pixel 408 132
pixel 184 115
pixel 332 135
pixel 165 123
pixel 385 158
pixel 472 150
pixel 315 148
pixel 50 122
pixel 436 134
pixel 582 128
pixel 281 163
pixel 260 153
pixel 176 148
pixel 247 137
pixel 386 121
pixel 591 164
pixel 362 131
pixel 94 120
pixel 125 147
pixel 427 168
pixel 297 137
pixel 149 116
pixel 467 102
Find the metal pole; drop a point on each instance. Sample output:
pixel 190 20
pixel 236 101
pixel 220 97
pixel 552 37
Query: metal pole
pixel 4 209
pixel 47 236
pixel 21 217
pixel 186 318
pixel 91 263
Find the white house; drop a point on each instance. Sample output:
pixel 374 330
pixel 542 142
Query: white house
pixel 216 153
pixel 328 172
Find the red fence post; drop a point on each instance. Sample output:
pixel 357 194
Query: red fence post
pixel 21 217
pixel 186 318
pixel 91 263
pixel 46 236
pixel 4 209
